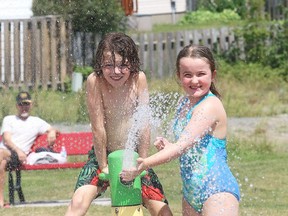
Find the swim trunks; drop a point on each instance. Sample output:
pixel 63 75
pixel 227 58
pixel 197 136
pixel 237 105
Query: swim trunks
pixel 89 175
pixel 204 168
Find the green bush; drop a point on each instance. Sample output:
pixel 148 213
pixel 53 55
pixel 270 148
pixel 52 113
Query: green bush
pixel 239 6
pixel 85 71
pixel 262 43
pixel 98 16
pixel 203 17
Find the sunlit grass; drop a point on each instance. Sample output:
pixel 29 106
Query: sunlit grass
pixel 261 173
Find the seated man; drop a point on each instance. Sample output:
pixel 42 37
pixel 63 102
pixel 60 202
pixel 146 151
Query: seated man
pixel 18 134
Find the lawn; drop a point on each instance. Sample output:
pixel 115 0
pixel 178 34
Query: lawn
pixel 262 177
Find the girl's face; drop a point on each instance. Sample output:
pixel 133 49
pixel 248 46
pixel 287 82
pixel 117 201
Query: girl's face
pixel 195 76
pixel 115 74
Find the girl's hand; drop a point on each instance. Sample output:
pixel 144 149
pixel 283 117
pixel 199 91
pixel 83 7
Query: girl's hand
pixel 131 174
pixel 161 143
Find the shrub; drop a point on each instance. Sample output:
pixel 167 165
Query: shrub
pixel 98 16
pixel 205 16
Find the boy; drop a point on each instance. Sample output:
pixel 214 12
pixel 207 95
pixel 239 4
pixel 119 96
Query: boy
pixel 115 91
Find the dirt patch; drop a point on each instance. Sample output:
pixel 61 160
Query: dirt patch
pixel 275 128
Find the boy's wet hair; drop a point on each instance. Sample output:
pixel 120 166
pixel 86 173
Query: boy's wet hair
pixel 117 43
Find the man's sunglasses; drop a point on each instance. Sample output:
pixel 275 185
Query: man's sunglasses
pixel 24 104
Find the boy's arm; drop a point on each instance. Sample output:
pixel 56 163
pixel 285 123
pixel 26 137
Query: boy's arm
pixel 96 116
pixel 143 97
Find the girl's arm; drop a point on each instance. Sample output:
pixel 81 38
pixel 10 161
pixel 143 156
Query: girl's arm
pixel 209 115
pixel 204 120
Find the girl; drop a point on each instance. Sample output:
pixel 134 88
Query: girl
pixel 209 188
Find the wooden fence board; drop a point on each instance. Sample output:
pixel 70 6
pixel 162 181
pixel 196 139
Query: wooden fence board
pixel 63 53
pixel 53 33
pixel 36 55
pixel 7 59
pixel 160 54
pixel 17 55
pixel 151 56
pixel 46 58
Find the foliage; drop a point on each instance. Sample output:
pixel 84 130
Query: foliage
pixel 239 6
pixel 255 11
pixel 98 16
pixel 205 16
pixel 85 71
pixel 264 43
pixel 251 9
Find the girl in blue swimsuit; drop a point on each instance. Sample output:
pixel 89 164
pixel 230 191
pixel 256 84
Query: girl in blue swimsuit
pixel 209 187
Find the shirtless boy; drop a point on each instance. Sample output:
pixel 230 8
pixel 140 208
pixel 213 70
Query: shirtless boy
pixel 115 90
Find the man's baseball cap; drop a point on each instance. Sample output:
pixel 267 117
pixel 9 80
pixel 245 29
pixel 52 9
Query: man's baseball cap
pixel 23 97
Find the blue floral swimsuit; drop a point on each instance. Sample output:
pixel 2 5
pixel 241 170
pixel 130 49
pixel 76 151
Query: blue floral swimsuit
pixel 204 168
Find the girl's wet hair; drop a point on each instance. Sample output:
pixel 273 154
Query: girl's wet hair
pixel 202 52
pixel 118 43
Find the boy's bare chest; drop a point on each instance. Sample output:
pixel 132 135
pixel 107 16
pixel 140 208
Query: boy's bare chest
pixel 119 106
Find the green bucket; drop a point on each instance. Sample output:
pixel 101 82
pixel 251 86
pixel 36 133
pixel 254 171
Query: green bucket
pixel 122 193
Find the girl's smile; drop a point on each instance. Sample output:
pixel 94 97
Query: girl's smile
pixel 195 76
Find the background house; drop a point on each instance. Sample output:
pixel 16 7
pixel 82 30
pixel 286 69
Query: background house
pixel 143 14
pixel 15 9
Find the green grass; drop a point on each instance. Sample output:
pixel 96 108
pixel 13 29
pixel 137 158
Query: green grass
pixel 262 177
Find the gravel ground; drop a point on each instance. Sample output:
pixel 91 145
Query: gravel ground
pixel 275 127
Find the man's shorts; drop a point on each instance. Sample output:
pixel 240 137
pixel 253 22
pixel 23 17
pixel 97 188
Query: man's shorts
pixel 89 175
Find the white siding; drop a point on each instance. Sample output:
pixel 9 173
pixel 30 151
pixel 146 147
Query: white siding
pixel 15 9
pixel 153 7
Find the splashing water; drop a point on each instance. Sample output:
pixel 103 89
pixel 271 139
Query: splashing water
pixel 155 115
pixel 140 120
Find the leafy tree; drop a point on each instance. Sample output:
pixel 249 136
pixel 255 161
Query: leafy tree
pixel 99 16
pixel 239 6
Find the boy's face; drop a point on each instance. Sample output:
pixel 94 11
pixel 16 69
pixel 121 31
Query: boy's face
pixel 116 73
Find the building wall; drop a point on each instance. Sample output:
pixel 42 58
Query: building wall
pixel 152 7
pixel 15 9
pixel 151 12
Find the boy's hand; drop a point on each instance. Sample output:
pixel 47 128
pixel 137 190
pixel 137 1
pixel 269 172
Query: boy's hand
pixel 105 170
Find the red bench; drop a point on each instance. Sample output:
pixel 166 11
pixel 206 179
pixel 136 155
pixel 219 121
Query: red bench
pixel 76 143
